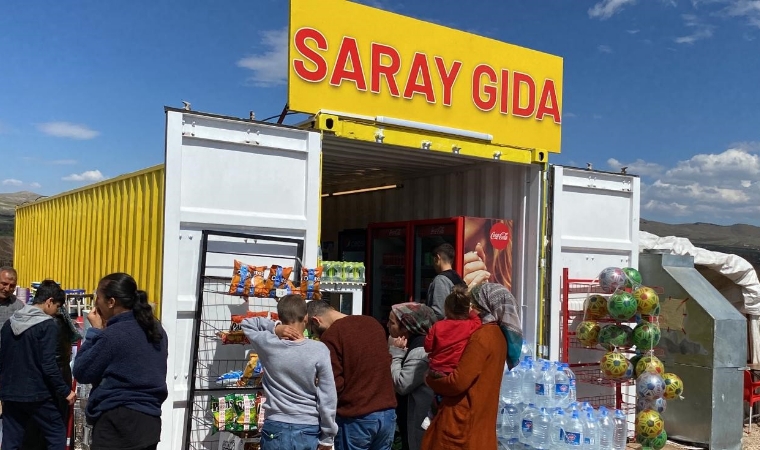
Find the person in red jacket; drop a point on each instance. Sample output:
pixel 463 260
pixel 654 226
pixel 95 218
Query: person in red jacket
pixel 447 338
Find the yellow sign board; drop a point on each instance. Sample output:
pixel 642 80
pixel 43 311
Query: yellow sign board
pixel 349 58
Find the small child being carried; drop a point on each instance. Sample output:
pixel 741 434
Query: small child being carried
pixel 447 339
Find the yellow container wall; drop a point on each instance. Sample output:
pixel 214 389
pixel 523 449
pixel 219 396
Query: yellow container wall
pixel 77 237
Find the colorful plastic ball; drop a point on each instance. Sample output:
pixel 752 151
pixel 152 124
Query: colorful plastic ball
pixel 596 307
pixel 647 300
pixel 588 333
pixel 649 424
pixel 650 386
pixel 656 443
pixel 636 358
pixel 673 386
pixel 615 336
pixel 658 404
pixel 646 336
pixel 633 277
pixel 649 363
pixel 614 365
pixel 611 279
pixel 621 306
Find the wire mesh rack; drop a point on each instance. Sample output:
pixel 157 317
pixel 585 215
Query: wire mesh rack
pixel 218 359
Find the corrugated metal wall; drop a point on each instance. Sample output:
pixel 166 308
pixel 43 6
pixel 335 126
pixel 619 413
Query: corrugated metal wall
pixel 77 237
pixel 485 191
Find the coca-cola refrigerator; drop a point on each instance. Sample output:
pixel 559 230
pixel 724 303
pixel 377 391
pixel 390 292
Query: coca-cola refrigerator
pixel 388 261
pixel 483 249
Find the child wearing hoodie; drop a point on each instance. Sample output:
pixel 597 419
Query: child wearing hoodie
pixel 30 379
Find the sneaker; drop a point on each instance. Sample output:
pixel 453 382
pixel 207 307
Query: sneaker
pixel 426 423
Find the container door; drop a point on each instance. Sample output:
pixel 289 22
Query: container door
pixel 388 268
pixel 594 223
pixel 227 176
pixel 427 236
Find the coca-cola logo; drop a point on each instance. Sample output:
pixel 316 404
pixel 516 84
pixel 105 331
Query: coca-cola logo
pixel 437 230
pixel 500 235
pixel 396 232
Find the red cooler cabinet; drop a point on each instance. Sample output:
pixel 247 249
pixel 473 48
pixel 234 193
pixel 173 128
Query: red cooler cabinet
pixel 400 257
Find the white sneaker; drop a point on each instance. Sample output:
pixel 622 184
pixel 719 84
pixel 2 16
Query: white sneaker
pixel 426 423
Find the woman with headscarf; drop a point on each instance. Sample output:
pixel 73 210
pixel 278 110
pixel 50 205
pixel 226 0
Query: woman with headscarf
pixel 466 418
pixel 408 325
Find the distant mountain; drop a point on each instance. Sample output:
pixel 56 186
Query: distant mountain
pixel 8 203
pixel 740 235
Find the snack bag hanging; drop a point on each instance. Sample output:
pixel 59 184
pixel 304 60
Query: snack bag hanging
pixel 241 278
pixel 279 279
pixel 310 282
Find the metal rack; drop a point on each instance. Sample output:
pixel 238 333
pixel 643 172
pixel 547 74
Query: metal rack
pixel 214 308
pixel 584 361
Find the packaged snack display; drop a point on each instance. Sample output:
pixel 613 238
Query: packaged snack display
pixel 310 282
pixel 223 412
pixel 241 278
pixel 233 337
pixel 259 282
pixel 245 413
pixel 237 319
pixel 279 279
pixel 252 369
pixel 230 378
pixel 260 400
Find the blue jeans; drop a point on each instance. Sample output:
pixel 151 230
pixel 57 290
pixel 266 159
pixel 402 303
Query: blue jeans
pixel 17 415
pixel 373 431
pixel 289 436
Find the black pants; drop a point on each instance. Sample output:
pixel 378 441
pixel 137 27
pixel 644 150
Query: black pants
pixel 34 438
pixel 125 429
pixel 18 415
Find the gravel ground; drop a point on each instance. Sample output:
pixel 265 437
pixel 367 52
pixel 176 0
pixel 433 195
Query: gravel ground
pixel 749 441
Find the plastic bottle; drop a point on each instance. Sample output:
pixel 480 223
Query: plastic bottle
pixel 620 434
pixel 319 256
pixel 526 424
pixel 606 429
pixel 590 432
pixel 573 394
pixel 508 430
pixel 528 385
pixel 511 387
pixel 541 436
pixel 545 388
pixel 561 387
pixel 574 432
pixel 557 429
pixel 525 351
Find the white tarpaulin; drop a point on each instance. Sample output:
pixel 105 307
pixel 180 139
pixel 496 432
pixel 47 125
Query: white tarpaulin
pixel 732 276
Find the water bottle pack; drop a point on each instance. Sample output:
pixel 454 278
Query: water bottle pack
pixel 538 410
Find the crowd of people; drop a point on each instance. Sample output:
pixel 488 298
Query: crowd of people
pixel 434 382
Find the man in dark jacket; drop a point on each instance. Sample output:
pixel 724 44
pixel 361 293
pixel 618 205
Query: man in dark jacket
pixel 444 281
pixel 29 376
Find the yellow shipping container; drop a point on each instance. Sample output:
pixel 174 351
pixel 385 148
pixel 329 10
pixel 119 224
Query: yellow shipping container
pixel 77 237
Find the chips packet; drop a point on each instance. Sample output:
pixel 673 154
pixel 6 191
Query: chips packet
pixel 241 278
pixel 310 283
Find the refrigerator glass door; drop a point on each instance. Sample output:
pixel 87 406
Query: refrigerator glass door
pixel 426 238
pixel 388 270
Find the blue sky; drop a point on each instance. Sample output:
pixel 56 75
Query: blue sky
pixel 670 88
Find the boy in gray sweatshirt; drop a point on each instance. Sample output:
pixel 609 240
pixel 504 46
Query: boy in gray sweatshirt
pixel 298 381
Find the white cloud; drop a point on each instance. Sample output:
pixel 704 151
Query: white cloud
pixel 747 9
pixel 632 31
pixel 68 130
pixel 604 48
pixel 638 167
pixel 13 182
pixel 608 8
pixel 35 185
pixel 700 30
pixel 569 115
pixel 270 66
pixel 709 187
pixel 671 3
pixel 89 175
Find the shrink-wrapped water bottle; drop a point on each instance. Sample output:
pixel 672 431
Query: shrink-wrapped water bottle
pixel 511 387
pixel 620 434
pixel 541 437
pixel 606 429
pixel 574 431
pixel 590 432
pixel 544 388
pixel 557 429
pixel 529 415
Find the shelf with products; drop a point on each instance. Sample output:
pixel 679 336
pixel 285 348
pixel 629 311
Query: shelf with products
pixel 225 369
